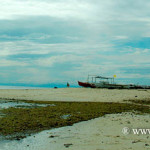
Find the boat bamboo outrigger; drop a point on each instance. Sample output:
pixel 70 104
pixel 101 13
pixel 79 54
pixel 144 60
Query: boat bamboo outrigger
pixel 94 81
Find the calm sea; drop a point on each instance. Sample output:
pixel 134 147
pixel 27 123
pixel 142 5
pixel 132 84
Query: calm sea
pixel 20 87
pixel 36 87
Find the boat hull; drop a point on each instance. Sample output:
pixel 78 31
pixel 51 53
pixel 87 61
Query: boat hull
pixel 99 85
pixel 86 84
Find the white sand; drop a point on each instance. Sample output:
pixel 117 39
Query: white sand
pixel 104 133
pixel 75 94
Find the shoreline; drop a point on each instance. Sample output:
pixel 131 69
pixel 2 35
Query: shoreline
pixel 75 94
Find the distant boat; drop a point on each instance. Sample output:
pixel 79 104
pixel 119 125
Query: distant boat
pixel 95 81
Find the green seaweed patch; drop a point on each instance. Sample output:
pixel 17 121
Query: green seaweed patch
pixel 23 120
pixel 142 102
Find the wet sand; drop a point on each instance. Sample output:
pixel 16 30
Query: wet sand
pixel 75 94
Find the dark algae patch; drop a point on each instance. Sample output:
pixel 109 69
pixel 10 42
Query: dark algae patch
pixel 142 102
pixel 30 120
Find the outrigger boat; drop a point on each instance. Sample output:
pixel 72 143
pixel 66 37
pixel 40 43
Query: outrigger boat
pixel 94 81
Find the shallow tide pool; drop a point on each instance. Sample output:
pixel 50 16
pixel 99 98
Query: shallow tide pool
pixel 18 104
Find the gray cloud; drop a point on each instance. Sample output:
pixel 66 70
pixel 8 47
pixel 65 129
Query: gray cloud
pixel 43 40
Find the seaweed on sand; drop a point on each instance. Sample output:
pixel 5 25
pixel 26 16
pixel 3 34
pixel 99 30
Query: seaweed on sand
pixel 25 120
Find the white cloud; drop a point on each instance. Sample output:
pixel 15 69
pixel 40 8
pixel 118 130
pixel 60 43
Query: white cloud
pixel 6 63
pixel 118 37
pixel 11 9
pixel 99 19
pixel 69 58
pixel 28 47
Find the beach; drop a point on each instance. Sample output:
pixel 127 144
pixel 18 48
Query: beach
pixel 103 133
pixel 75 94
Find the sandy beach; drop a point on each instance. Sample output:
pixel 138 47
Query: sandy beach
pixel 74 94
pixel 104 133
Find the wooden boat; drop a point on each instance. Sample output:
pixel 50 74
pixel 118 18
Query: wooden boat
pixel 94 81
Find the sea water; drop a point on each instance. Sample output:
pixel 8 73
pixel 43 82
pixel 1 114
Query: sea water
pixel 18 104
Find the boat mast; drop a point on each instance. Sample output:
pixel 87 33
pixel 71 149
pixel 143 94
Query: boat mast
pixel 88 78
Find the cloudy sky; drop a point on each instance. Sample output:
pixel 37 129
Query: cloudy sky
pixel 43 41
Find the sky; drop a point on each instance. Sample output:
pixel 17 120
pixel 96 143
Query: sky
pixel 47 41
